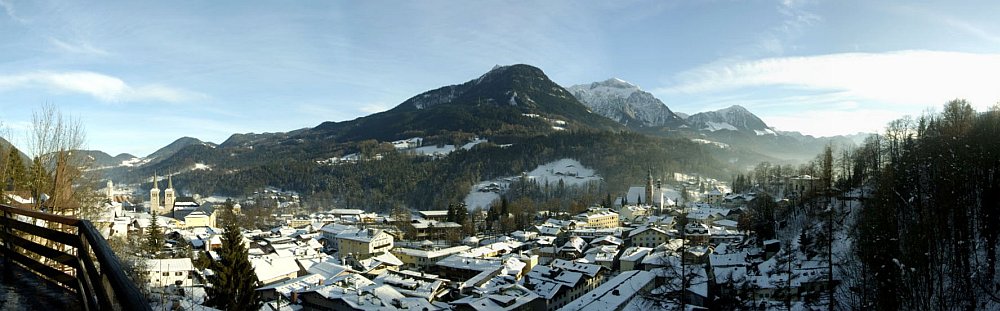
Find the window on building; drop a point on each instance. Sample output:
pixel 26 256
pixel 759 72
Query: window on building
pixel 166 274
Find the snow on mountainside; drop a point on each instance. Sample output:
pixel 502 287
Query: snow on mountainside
pixel 569 171
pixel 625 103
pixel 735 118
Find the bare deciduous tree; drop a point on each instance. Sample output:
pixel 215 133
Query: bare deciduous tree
pixel 52 139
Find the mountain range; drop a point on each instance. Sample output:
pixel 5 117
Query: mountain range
pixel 732 127
pixel 516 105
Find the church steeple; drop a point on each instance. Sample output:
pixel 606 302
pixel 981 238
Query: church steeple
pixel 649 188
pixel 169 194
pixel 154 197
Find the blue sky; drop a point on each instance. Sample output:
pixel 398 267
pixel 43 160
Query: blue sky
pixel 141 74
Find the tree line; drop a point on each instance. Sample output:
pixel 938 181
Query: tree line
pixel 927 237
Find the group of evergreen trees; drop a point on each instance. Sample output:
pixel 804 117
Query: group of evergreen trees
pixel 16 176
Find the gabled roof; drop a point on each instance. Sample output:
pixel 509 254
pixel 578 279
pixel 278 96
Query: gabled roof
pixel 644 229
pixel 614 293
pixel 361 235
pixel 271 267
pixel 590 270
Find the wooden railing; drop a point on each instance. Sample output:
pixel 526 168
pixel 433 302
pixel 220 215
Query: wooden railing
pixel 69 253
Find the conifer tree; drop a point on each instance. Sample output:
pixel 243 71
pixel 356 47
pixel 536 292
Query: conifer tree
pixel 16 172
pixel 234 282
pixel 154 238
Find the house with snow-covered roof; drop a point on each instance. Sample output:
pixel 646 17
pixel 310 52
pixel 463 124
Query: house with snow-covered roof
pixel 174 271
pixel 598 218
pixel 273 269
pixel 500 298
pixel 573 248
pixel 631 258
pixel 634 213
pixel 363 243
pixel 353 292
pixel 563 281
pixel 414 284
pixel 648 236
pixel 615 293
pixel 426 229
pixel 421 258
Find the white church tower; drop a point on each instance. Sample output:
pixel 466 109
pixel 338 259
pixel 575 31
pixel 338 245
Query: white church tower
pixel 154 197
pixel 168 195
pixel 111 191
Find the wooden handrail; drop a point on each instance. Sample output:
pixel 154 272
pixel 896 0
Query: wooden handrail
pixel 91 270
pixel 40 215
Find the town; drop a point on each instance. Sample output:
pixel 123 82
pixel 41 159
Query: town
pixel 654 248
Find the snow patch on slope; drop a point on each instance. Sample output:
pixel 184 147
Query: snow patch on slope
pixel 717 126
pixel 136 162
pixel 201 167
pixel 445 149
pixel 765 132
pixel 569 171
pixel 709 142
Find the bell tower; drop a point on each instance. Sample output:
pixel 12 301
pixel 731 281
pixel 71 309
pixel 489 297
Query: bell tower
pixel 154 197
pixel 168 194
pixel 649 188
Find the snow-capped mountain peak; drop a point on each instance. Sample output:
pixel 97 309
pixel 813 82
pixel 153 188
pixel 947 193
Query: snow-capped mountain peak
pixel 733 118
pixel 615 83
pixel 625 102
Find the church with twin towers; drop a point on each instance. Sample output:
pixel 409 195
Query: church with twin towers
pixel 169 197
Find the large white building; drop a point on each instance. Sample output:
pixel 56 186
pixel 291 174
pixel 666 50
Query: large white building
pixel 599 218
pixel 363 243
pixel 175 271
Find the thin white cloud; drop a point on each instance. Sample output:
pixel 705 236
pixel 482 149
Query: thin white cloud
pixel 11 12
pixel 795 19
pixel 375 107
pixel 970 28
pixel 937 16
pixel 103 87
pixel 78 48
pixel 922 78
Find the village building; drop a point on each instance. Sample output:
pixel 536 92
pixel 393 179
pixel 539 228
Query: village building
pixel 363 243
pixel 615 293
pixel 174 271
pixel 596 217
pixel 563 281
pixel 647 236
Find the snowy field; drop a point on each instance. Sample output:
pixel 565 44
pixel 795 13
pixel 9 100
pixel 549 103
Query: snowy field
pixel 570 171
pixel 709 142
pixel 444 150
pixel 216 199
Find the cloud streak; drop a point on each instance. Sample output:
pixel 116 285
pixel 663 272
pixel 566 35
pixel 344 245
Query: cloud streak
pixel 795 21
pixel 11 12
pixel 896 78
pixel 78 48
pixel 102 87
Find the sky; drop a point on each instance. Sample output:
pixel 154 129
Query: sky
pixel 140 74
